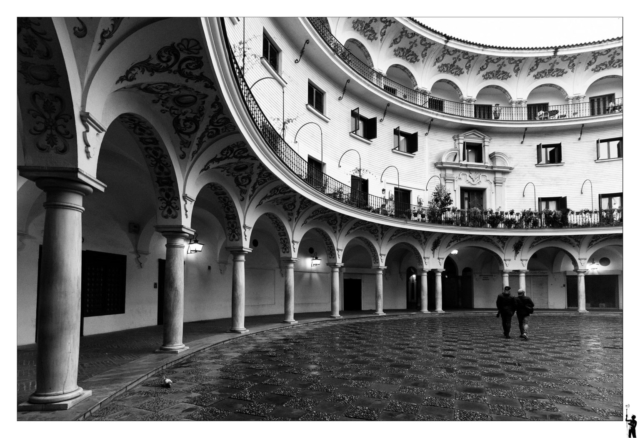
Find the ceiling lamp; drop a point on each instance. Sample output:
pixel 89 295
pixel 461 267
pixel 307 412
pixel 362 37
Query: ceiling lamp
pixel 194 245
pixel 315 262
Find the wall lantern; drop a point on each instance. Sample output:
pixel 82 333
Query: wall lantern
pixel 315 262
pixel 194 245
pixel 454 252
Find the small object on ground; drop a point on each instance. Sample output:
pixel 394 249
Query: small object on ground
pixel 166 383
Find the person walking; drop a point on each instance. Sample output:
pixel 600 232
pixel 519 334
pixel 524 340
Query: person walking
pixel 506 308
pixel 632 426
pixel 524 308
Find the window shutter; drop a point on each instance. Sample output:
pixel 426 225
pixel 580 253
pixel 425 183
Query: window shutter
pixel 598 149
pixel 562 203
pixel 274 57
pixel 356 115
pixel 559 153
pixel 464 152
pixel 265 47
pixel 371 128
pixel 412 147
pixel 396 133
pixel 620 149
pixel 539 153
pixel 320 102
pixel 310 95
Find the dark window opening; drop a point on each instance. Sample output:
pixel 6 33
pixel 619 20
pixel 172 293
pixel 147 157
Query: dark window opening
pixel 390 90
pixel 103 283
pixel 402 199
pixel 472 153
pixel 405 142
pixel 600 104
pixel 550 153
pixel 315 175
pixel 471 198
pixel 538 111
pixel 359 191
pixel 316 98
pixel 557 203
pixel 436 104
pixel 362 126
pixel 482 111
pixel 609 148
pixel 270 52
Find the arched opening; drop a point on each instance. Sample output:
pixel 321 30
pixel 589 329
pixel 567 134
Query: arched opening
pixel 447 90
pixel 312 275
pixel 546 102
pixel 451 298
pixel 550 280
pixel 487 99
pixel 402 76
pixel 359 51
pixel 603 279
pixel 358 279
pixel 466 288
pixel 605 95
pixel 413 289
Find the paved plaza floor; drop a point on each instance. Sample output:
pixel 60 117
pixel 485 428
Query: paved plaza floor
pixel 447 367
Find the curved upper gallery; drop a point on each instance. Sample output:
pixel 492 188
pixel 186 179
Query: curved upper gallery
pixel 321 140
pixel 460 80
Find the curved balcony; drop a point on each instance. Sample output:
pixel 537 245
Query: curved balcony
pixel 405 212
pixel 422 99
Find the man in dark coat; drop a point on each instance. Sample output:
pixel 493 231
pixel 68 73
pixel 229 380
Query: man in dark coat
pixel 632 426
pixel 524 308
pixel 506 307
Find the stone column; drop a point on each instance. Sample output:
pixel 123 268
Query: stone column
pixel 237 290
pixel 379 293
pixel 522 280
pixel 335 288
pixel 505 278
pixel 582 295
pixel 289 289
pixel 60 296
pixel 424 292
pixel 438 273
pixel 173 306
pixel 341 287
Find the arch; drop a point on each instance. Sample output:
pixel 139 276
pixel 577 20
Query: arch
pixel 409 81
pixel 282 234
pixel 488 85
pixel 359 51
pixel 566 248
pixel 227 212
pixel 549 82
pixel 483 242
pixel 599 77
pixel 160 165
pixel 612 241
pixel 445 79
pixel 329 243
pixel 450 156
pixel 367 244
pixel 408 245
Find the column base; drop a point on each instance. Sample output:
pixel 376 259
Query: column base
pixel 55 406
pixel 336 316
pixel 172 350
pixel 424 311
pixel 440 311
pixel 293 321
pixel 238 330
pixel 380 313
pixel 583 311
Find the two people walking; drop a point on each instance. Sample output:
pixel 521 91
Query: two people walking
pixel 521 305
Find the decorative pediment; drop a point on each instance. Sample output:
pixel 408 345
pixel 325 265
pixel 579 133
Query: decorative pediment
pixel 472 135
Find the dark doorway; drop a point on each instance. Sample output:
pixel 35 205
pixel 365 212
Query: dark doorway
pixel 359 191
pixel 315 175
pixel 601 291
pixel 403 202
pixel 466 288
pixel 161 263
pixel 413 289
pixel 471 198
pixel 352 294
pixel 600 104
pixel 431 290
pixel 450 286
pixel 534 108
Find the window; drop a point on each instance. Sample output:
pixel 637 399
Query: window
pixel 611 200
pixel 270 52
pixel 362 126
pixel 557 203
pixel 316 98
pixel 537 111
pixel 359 191
pixel 472 153
pixel 600 104
pixel 315 173
pixel 609 148
pixel 402 202
pixel 471 198
pixel 436 104
pixel 390 90
pixel 103 283
pixel 549 153
pixel 405 142
pixel 482 111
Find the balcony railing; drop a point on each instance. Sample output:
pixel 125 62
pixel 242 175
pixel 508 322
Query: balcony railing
pixel 595 107
pixel 343 193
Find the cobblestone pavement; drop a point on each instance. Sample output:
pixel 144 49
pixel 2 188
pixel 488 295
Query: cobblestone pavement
pixel 444 368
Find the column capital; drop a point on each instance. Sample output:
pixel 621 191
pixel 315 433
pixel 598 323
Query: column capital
pixel 175 231
pixel 237 250
pixel 507 271
pixel 61 174
pixel 379 267
pixel 581 271
pixel 440 270
pixel 335 265
pixel 288 259
pixel 424 271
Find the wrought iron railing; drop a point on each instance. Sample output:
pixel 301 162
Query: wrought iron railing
pixel 343 193
pixel 595 107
